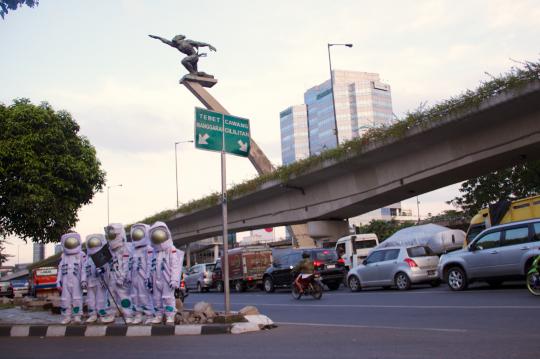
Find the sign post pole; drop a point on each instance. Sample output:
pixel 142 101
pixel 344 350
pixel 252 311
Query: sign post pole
pixel 225 264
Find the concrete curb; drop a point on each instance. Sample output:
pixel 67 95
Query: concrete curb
pixel 19 330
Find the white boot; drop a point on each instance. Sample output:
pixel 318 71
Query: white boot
pixel 92 319
pixel 77 319
pixel 66 320
pixel 107 319
pixel 129 320
pixel 157 319
pixel 137 319
pixel 170 320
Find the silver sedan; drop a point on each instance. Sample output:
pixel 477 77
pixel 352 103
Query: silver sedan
pixel 399 266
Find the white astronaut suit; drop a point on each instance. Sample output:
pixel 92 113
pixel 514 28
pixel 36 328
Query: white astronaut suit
pixel 140 264
pixel 118 278
pixel 68 279
pixel 165 272
pixel 92 278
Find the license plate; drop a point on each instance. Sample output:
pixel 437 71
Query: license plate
pixel 430 272
pixel 331 266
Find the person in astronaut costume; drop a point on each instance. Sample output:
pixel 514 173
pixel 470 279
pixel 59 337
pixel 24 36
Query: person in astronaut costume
pixel 68 280
pixel 165 272
pixel 96 298
pixel 140 264
pixel 118 278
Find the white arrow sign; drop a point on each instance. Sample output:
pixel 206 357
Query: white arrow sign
pixel 243 146
pixel 202 139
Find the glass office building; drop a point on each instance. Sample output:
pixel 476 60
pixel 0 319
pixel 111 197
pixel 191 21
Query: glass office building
pixel 362 102
pixel 294 134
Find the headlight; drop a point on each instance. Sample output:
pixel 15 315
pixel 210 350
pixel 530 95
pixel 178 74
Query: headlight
pixel 159 236
pixel 71 242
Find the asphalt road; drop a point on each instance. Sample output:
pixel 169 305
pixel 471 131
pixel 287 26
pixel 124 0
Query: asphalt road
pixel 422 323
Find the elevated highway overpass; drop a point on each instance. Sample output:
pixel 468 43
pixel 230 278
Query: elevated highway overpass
pixel 502 131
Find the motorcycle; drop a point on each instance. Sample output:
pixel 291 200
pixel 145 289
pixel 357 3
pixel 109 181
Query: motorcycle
pixel 533 277
pixel 310 286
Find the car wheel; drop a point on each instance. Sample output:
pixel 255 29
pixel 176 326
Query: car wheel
pixel 456 279
pixel 435 283
pixel 219 286
pixel 402 281
pixel 333 286
pixel 239 287
pixel 268 285
pixel 354 283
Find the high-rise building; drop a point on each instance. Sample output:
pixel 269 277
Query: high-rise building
pixel 38 251
pixel 294 134
pixel 362 102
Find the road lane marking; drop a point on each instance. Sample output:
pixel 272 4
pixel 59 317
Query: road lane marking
pixel 446 330
pixel 382 306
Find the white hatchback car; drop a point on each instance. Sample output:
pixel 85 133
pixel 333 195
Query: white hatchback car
pixel 399 266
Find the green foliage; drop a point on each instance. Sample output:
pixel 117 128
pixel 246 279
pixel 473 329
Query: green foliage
pixel 520 181
pixel 421 118
pixel 47 171
pixel 384 229
pixel 6 5
pixel 3 255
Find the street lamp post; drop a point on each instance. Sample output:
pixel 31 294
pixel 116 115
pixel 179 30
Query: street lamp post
pixel 176 168
pixel 332 86
pixel 108 188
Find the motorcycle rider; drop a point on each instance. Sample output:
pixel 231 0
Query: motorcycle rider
pixel 304 268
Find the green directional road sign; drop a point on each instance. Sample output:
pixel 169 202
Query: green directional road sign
pixel 209 127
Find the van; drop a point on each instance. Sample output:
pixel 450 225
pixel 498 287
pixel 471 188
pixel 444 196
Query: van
pixel 355 248
pixel 503 212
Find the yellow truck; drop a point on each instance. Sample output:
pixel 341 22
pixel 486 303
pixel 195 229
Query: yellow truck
pixel 503 212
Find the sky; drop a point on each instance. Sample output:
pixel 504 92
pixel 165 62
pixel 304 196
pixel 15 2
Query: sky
pixel 95 60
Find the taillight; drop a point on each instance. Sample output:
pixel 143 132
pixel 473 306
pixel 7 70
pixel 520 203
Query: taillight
pixel 317 263
pixel 411 262
pixel 249 279
pixel 182 284
pixel 341 261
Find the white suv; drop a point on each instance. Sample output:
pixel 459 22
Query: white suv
pixel 503 252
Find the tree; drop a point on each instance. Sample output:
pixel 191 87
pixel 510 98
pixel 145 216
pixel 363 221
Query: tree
pixel 6 5
pixel 47 171
pixel 519 181
pixel 384 229
pixel 3 255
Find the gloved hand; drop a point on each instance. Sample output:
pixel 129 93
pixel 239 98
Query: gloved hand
pixel 84 285
pixel 174 284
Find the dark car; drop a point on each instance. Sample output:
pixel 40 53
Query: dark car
pixel 325 261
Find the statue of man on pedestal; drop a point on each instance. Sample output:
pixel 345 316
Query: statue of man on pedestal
pixel 191 49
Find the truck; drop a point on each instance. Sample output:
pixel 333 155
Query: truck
pixel 246 268
pixel 503 212
pixel 43 282
pixel 354 248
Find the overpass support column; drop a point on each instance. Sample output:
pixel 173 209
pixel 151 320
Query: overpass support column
pixel 328 231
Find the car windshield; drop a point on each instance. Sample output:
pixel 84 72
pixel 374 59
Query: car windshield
pixel 370 243
pixel 326 255
pixel 210 267
pixel 18 283
pixel 419 252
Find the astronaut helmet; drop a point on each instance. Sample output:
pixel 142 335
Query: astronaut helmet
pixel 160 236
pixel 139 235
pixel 115 235
pixel 94 242
pixel 71 243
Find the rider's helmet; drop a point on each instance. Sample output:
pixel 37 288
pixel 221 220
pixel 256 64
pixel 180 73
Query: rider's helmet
pixel 305 255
